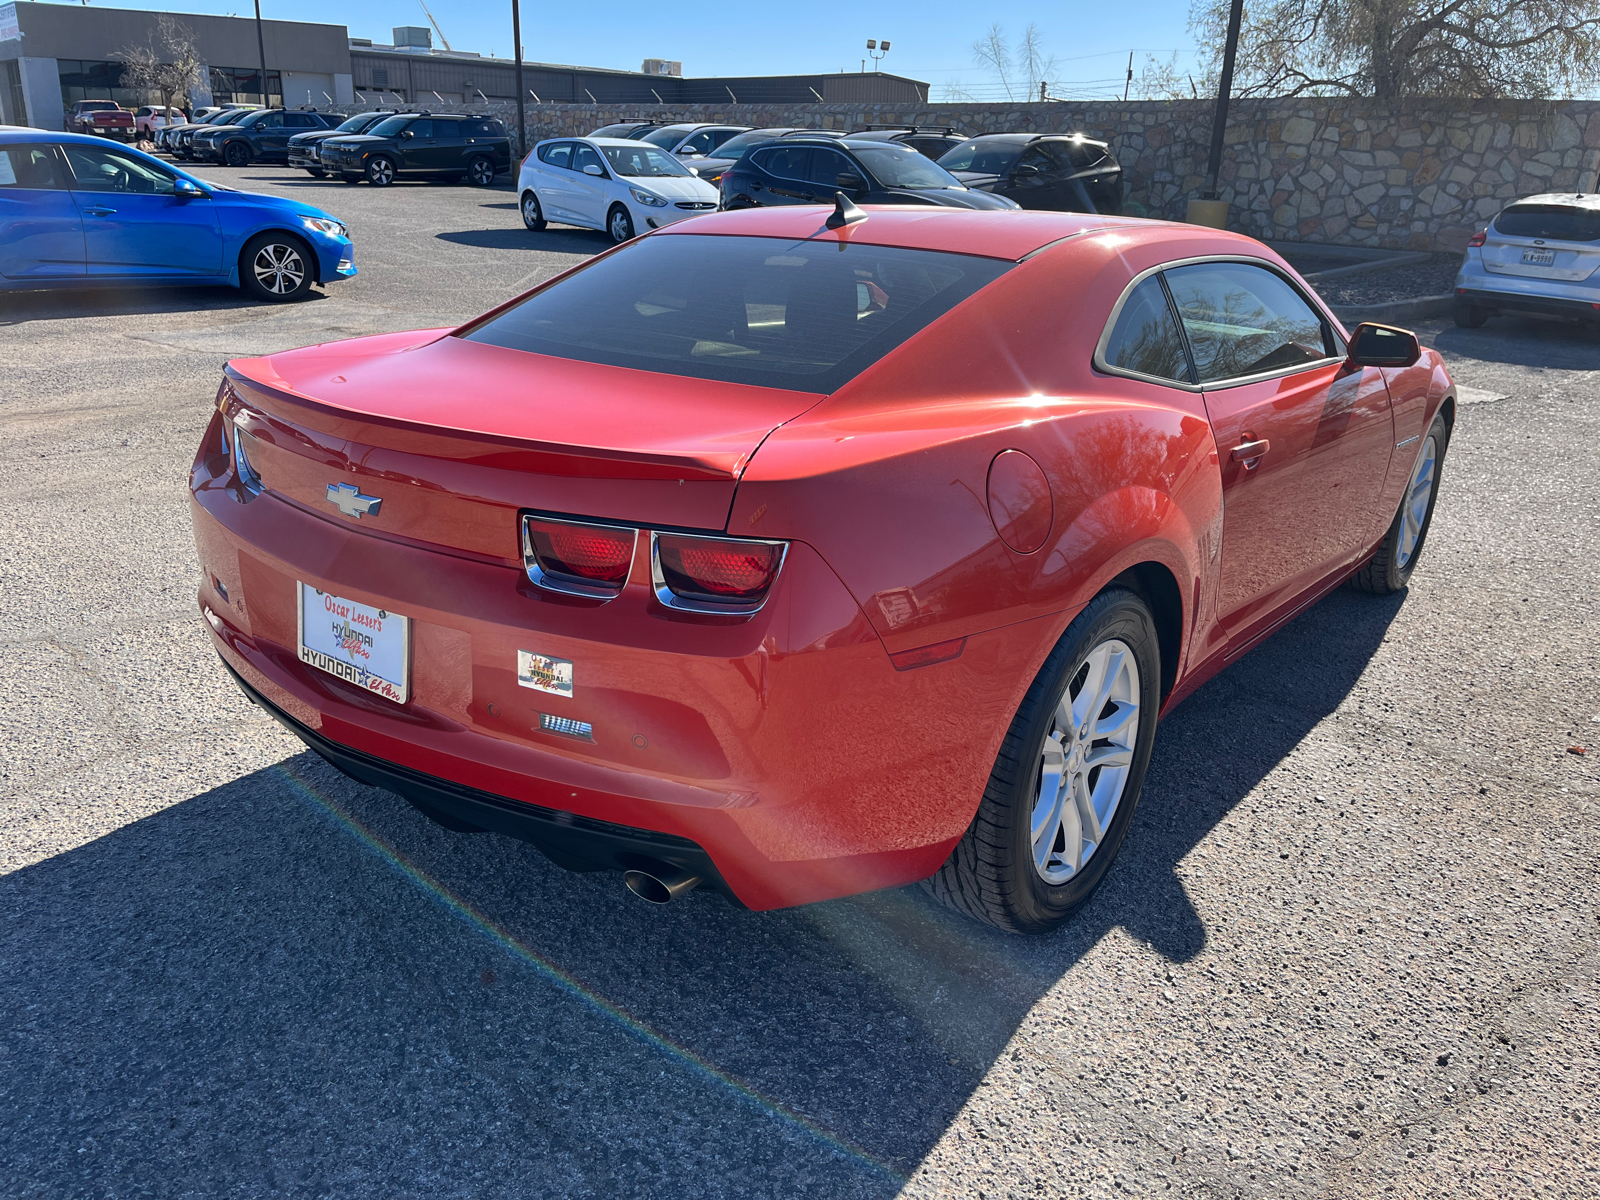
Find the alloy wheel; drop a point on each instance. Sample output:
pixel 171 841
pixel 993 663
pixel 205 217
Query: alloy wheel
pixel 381 172
pixel 1085 761
pixel 531 216
pixel 482 172
pixel 279 268
pixel 621 225
pixel 1419 495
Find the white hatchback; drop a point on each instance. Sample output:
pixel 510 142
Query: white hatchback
pixel 622 187
pixel 1540 255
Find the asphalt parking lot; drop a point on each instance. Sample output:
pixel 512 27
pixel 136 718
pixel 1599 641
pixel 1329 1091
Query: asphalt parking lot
pixel 1349 950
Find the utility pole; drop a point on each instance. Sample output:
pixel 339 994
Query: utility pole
pixel 516 40
pixel 261 45
pixel 1219 121
pixel 1129 82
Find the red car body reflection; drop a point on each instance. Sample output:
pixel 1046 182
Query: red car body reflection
pixel 946 514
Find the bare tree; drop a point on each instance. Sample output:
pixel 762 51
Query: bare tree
pixel 1033 63
pixel 168 64
pixel 1023 71
pixel 1393 48
pixel 993 51
pixel 1159 79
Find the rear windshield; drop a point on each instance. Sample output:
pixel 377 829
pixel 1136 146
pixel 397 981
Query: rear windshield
pixel 666 138
pixel 739 143
pixel 901 166
pixel 994 158
pixel 809 316
pixel 1557 222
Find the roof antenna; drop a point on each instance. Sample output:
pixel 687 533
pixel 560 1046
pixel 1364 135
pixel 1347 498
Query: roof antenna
pixel 844 212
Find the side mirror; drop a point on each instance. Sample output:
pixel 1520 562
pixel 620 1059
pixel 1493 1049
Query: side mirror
pixel 1373 345
pixel 694 170
pixel 1024 171
pixel 850 183
pixel 184 189
pixel 406 133
pixel 591 169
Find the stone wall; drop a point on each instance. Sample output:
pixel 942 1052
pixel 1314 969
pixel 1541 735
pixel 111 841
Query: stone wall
pixel 1418 175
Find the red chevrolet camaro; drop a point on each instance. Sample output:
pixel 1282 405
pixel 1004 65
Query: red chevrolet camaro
pixel 801 555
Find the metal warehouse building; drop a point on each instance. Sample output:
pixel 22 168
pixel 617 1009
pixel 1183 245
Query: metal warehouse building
pixel 53 55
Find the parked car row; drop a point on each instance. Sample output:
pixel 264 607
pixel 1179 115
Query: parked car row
pixel 597 182
pixel 378 147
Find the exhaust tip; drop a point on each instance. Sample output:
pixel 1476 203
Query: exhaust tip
pixel 659 884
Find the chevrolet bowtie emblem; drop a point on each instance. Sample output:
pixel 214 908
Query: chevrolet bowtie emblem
pixel 349 500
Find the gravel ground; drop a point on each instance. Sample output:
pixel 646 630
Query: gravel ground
pixel 1349 949
pixel 1434 278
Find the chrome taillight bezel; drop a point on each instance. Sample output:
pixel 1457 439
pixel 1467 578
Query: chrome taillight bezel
pixel 570 585
pixel 244 470
pixel 670 599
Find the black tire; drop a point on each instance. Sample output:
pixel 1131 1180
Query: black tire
pixel 277 267
pixel 480 171
pixel 236 154
pixel 316 172
pixel 380 171
pixel 1470 317
pixel 532 213
pixel 619 224
pixel 1390 568
pixel 990 875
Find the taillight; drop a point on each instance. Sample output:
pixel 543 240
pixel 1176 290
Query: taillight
pixel 714 574
pixel 577 558
pixel 1478 238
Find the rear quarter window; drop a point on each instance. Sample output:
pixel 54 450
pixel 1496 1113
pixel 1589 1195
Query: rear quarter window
pixel 805 316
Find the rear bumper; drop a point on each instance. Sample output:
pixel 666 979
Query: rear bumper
pixel 1498 301
pixel 786 748
pixel 574 842
pixel 1478 287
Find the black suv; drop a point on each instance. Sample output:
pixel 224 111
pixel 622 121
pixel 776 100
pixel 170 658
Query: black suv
pixel 934 142
pixel 1056 171
pixel 260 136
pixel 810 170
pixel 303 146
pixel 450 146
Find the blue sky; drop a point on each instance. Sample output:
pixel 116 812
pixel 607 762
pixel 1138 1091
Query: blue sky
pixel 930 39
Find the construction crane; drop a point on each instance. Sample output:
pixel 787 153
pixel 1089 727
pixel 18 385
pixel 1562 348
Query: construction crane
pixel 435 24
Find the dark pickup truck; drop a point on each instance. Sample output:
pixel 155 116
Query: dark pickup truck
pixel 104 118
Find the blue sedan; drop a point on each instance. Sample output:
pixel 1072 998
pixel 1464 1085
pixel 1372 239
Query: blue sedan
pixel 76 211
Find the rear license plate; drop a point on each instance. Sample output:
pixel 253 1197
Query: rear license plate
pixel 366 646
pixel 1539 258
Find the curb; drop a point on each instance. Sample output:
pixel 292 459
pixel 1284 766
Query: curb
pixel 1396 310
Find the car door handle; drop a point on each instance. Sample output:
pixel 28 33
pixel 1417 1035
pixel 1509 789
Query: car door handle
pixel 1249 453
pixel 99 211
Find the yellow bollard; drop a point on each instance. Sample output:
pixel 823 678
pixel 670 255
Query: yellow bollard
pixel 1208 212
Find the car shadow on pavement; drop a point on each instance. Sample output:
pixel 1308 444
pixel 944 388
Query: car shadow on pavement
pixel 293 983
pixel 566 240
pixel 58 304
pixel 1525 342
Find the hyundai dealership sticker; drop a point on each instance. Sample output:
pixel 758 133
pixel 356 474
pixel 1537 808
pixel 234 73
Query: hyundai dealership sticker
pixel 544 674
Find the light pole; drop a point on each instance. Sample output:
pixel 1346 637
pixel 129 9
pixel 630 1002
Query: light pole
pixel 875 51
pixel 261 45
pixel 516 41
pixel 1219 119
